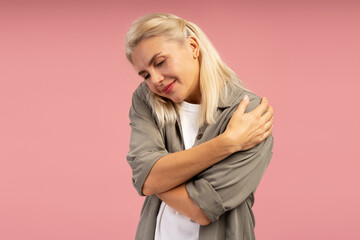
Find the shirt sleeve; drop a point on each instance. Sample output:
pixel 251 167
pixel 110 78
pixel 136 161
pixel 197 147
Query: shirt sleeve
pixel 146 141
pixel 229 183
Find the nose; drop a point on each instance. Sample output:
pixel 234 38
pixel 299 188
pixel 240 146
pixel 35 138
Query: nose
pixel 157 78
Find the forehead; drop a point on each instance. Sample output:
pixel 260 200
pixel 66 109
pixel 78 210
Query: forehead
pixel 149 47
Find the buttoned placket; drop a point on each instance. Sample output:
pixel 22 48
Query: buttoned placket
pixel 199 134
pixel 178 121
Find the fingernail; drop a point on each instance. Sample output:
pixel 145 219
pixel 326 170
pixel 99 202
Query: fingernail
pixel 246 97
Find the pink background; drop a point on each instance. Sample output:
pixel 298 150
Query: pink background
pixel 65 91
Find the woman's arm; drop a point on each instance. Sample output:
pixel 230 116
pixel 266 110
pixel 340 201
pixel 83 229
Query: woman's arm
pixel 176 168
pixel 179 199
pixel 207 197
pixel 225 185
pixel 147 146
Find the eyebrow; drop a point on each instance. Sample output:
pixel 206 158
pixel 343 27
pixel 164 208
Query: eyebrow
pixel 151 61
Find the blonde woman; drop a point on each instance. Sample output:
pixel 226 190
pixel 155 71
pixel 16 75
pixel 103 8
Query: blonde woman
pixel 200 142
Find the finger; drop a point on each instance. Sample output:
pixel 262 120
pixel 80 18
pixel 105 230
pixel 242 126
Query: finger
pixel 268 124
pixel 265 127
pixel 268 115
pixel 242 105
pixel 267 133
pixel 261 108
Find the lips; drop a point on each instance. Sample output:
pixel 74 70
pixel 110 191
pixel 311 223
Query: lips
pixel 167 89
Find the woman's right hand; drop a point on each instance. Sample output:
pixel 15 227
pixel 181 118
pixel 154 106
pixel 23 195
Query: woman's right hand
pixel 245 130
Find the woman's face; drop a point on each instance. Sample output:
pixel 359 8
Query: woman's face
pixel 170 70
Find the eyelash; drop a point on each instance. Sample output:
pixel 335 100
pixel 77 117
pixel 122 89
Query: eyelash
pixel 158 65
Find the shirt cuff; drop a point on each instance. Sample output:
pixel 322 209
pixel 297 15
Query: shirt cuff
pixel 141 167
pixel 204 195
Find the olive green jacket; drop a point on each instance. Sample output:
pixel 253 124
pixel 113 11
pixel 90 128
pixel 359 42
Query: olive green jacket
pixel 225 191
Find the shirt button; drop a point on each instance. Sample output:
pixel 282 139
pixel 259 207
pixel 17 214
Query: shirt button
pixel 199 136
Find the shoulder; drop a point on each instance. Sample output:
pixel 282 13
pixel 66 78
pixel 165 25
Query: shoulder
pixel 141 91
pixel 236 94
pixel 254 100
pixel 139 104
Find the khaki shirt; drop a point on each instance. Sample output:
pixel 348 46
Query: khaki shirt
pixel 225 191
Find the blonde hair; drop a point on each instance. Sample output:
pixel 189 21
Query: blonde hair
pixel 214 73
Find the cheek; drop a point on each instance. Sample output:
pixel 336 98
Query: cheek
pixel 174 68
pixel 151 87
pixel 187 69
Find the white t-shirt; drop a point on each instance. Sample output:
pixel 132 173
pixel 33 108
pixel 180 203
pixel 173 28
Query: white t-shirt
pixel 170 224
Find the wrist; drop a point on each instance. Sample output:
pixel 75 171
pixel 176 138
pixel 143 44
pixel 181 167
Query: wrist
pixel 228 143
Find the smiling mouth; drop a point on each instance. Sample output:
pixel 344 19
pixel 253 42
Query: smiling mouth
pixel 168 87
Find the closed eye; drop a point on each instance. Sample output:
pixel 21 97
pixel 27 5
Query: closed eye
pixel 159 64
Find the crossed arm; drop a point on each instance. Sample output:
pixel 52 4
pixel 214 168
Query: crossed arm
pixel 222 187
pixel 185 164
pixel 168 175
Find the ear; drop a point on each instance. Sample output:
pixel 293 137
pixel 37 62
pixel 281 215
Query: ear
pixel 194 45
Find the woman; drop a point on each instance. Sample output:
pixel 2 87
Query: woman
pixel 200 142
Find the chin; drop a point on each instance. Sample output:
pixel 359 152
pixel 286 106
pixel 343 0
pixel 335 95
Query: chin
pixel 176 99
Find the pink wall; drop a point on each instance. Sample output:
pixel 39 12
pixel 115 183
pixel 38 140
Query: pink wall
pixel 65 90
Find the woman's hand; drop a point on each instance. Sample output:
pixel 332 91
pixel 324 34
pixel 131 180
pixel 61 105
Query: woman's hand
pixel 245 130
